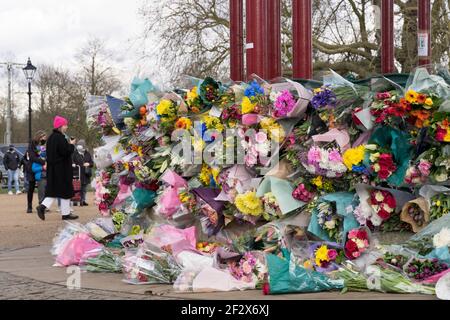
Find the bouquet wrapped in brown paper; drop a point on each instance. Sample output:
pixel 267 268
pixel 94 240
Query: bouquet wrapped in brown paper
pixel 417 213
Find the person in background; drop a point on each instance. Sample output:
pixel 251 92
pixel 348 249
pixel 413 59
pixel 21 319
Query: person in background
pixel 36 168
pixel 59 150
pixel 82 158
pixel 11 161
pixel 26 166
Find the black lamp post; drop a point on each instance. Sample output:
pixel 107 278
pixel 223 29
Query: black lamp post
pixel 29 72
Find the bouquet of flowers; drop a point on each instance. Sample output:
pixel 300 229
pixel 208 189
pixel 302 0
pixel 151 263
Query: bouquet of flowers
pixel 150 265
pixel 422 106
pixel 440 205
pixel 250 268
pixel 383 203
pixel 387 108
pixel 421 269
pixel 357 243
pixel 381 162
pixel 328 219
pixel 102 261
pixel 271 207
pixel 325 256
pixel 416 213
pixel 301 193
pixel 324 162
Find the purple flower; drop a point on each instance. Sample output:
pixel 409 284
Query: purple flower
pixel 284 104
pixel 324 98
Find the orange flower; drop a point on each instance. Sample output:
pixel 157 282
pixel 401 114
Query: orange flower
pixel 445 123
pixel 421 118
pixel 421 98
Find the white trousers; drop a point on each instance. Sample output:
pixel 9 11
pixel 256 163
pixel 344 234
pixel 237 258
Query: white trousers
pixel 65 205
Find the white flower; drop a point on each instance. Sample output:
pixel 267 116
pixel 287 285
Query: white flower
pixel 371 146
pixel 330 224
pixel 442 239
pixel 374 157
pixel 376 220
pixel 379 196
pixel 441 177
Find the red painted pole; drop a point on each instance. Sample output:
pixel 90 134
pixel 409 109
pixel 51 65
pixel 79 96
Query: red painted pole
pixel 302 39
pixel 424 32
pixel 273 39
pixel 237 40
pixel 256 37
pixel 387 36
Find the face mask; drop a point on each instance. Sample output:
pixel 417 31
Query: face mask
pixel 43 141
pixel 11 149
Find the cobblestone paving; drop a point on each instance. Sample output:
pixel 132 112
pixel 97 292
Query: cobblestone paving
pixel 19 288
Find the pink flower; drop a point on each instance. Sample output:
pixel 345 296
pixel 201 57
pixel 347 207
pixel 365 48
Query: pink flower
pixel 332 254
pixel 314 155
pixel 261 137
pixel 246 267
pixel 353 234
pixel 356 254
pixel 424 167
pixel 382 95
pixel 334 156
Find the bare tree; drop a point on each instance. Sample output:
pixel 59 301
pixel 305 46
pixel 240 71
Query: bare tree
pixel 97 75
pixel 192 36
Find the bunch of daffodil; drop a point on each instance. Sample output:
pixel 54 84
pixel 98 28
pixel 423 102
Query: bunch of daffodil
pixel 213 123
pixel 208 176
pixel 247 105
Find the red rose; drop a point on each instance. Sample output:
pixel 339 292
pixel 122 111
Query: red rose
pixel 350 247
pixel 362 234
pixel 390 201
pixel 383 174
pixel 103 206
pixel 106 196
pixel 383 214
pixel 153 186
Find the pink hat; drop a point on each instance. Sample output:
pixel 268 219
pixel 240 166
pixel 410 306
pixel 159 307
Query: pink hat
pixel 58 122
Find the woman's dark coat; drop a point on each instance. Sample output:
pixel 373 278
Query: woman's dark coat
pixel 80 160
pixel 59 167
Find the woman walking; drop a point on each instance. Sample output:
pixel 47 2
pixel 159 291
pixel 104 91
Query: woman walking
pixel 36 167
pixel 59 170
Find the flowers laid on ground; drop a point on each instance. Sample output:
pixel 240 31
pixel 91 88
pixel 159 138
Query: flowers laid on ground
pixel 440 205
pixel 381 162
pixel 328 219
pixel 249 269
pixel 248 203
pixel 324 162
pixel 383 204
pixel 298 180
pixel 357 243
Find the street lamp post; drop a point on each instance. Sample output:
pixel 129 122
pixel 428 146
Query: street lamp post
pixel 29 72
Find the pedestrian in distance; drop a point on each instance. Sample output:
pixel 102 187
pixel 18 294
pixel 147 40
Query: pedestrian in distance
pixel 36 169
pixel 59 149
pixel 11 161
pixel 82 160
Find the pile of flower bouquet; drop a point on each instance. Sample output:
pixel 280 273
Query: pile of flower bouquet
pixel 309 175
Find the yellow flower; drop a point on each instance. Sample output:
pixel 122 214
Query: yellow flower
pixel 317 181
pixel 429 102
pixel 374 156
pixel 183 123
pixel 213 123
pixel 274 130
pixel 353 156
pixel 249 203
pixel 247 105
pixel 411 96
pixel 192 95
pixel 322 255
pixel 163 107
pixel 205 175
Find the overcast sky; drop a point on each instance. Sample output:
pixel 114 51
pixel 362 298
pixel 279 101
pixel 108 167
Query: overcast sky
pixel 50 31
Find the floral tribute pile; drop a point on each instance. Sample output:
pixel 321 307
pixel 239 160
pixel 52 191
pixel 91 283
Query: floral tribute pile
pixel 225 186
